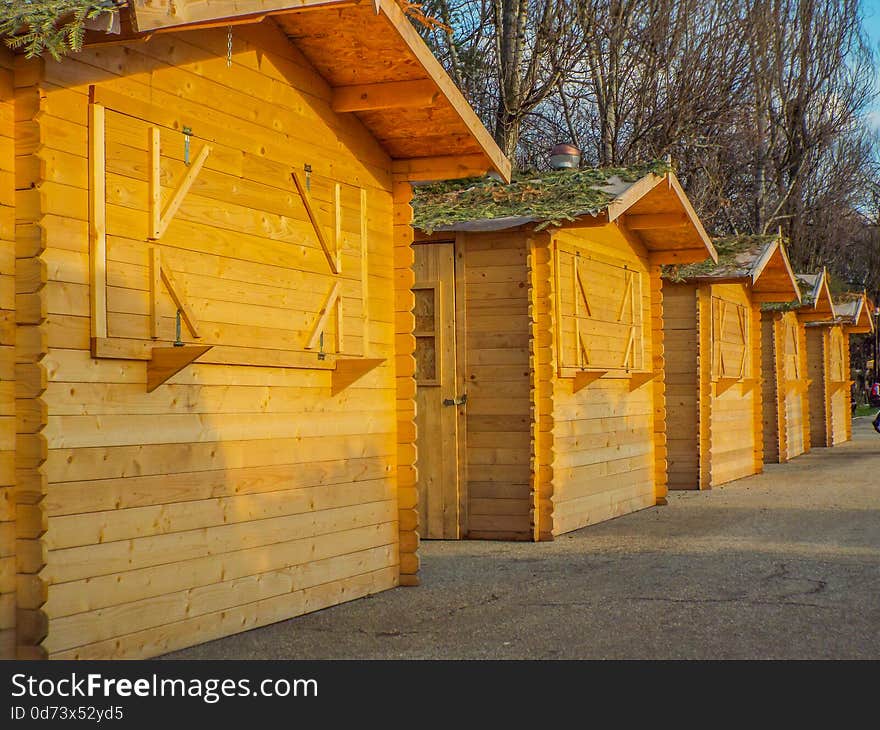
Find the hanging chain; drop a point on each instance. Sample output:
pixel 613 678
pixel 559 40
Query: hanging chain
pixel 229 46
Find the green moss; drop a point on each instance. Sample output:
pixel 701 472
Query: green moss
pixel 736 255
pixel 548 197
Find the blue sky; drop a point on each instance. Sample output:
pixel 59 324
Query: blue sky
pixel 872 25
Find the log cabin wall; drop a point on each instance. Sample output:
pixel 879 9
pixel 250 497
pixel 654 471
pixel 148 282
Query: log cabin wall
pixel 818 392
pixel 786 427
pixel 7 355
pixel 542 372
pixel 498 386
pixel 603 433
pixel 838 397
pixel 847 389
pixel 31 342
pixel 232 496
pixel 682 391
pixel 771 417
pixel 735 410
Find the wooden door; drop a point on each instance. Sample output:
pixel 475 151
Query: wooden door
pixel 438 400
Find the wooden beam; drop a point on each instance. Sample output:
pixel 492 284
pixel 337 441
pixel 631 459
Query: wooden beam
pixel 783 297
pixel 390 95
pixel 678 256
pixel 158 14
pixel 332 297
pixel 155 288
pixel 365 276
pixel 168 361
pixel 649 221
pixel 97 223
pixel 446 167
pixel 179 194
pixel 410 36
pixel 155 182
pixel 316 224
pixel 177 296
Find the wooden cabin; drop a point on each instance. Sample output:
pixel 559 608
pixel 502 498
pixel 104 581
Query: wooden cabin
pixel 206 354
pixel 712 330
pixel 784 367
pixel 828 368
pixel 539 348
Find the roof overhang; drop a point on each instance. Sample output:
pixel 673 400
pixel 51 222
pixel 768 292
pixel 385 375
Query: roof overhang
pixel 654 211
pixel 657 211
pixel 859 320
pixel 772 277
pixel 376 64
pixel 822 308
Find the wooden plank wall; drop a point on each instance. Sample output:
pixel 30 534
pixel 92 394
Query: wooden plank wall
pixel 405 384
pixel 31 162
pixel 658 386
pixel 733 426
pixel 7 355
pixel 603 434
pixel 770 388
pixel 682 393
pixel 817 353
pixel 803 395
pixel 847 371
pixel 542 368
pixel 233 496
pixel 838 397
pixel 755 387
pixel 498 408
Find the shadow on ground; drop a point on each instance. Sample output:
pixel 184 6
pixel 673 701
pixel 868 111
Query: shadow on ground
pixel 781 565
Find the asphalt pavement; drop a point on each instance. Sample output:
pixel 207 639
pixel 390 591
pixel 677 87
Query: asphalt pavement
pixel 782 565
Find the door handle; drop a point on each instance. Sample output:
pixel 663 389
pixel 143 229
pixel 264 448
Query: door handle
pixel 460 401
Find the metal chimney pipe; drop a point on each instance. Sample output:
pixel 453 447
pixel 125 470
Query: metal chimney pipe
pixel 565 157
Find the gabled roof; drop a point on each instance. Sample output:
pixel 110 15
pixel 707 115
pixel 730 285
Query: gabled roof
pixel 374 60
pixel 853 311
pixel 815 304
pixel 646 201
pixel 759 261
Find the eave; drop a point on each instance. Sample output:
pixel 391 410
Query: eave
pixel 657 211
pixel 377 66
pixel 822 308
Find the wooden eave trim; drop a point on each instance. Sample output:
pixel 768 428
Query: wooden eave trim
pixel 255 11
pixel 694 218
pixel 635 192
pixel 391 10
pixel 204 13
pixel 642 187
pixel 763 265
pixel 823 293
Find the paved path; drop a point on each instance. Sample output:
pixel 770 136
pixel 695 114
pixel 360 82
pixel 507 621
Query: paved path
pixel 781 565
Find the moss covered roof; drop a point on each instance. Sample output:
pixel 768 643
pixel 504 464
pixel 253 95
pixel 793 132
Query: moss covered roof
pixel 846 305
pixel 545 198
pixel 737 256
pixel 807 284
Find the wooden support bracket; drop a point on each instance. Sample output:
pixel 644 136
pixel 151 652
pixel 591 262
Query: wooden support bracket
pixel 585 377
pixel 839 385
pixel 333 258
pixel 637 380
pixel 725 384
pixel 349 370
pixel 797 386
pixel 168 361
pixel 749 384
